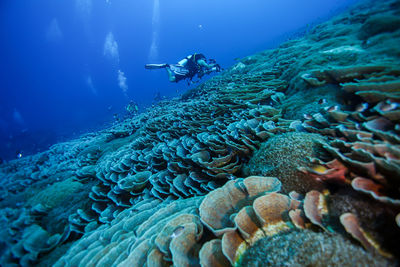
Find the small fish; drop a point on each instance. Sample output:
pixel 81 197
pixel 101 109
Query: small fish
pixel 19 154
pixel 362 107
pixel 389 106
pixel 332 108
pixel 307 116
pixel 319 169
pixel 322 101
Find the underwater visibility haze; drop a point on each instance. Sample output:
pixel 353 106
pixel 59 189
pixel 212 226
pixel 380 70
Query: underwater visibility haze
pixel 70 66
pixel 200 133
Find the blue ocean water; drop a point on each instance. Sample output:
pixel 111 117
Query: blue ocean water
pixel 70 67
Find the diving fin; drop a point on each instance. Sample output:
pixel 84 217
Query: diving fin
pixel 155 66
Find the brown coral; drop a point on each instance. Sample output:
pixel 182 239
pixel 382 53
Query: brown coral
pixel 219 205
pixel 307 248
pixel 315 207
pixel 352 226
pixel 355 105
pixel 281 155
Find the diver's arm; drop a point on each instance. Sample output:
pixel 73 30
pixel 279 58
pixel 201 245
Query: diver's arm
pixel 209 67
pixel 203 63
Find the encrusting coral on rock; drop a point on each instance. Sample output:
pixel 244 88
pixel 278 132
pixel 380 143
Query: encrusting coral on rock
pixel 321 113
pixel 307 248
pixel 281 155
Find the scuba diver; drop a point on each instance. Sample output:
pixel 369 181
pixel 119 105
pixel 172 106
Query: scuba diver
pixel 132 108
pixel 188 67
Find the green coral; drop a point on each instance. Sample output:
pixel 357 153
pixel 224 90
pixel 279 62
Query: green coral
pixel 379 24
pixel 281 155
pixel 51 258
pixel 55 194
pixel 61 199
pixel 307 248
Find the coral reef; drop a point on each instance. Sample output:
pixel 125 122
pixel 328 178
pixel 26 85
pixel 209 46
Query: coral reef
pixel 159 233
pixel 54 195
pixel 161 188
pixel 307 248
pixel 150 231
pixel 281 155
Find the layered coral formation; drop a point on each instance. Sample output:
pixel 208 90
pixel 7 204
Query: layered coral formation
pixel 240 216
pixel 320 112
pixel 149 232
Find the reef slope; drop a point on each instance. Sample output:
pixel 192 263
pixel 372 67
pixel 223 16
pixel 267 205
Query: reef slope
pixel 321 113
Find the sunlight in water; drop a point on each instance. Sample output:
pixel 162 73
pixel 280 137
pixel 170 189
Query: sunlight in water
pixel 153 54
pixel 110 49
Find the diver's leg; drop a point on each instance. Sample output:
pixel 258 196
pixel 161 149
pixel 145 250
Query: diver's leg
pixel 155 66
pixel 171 75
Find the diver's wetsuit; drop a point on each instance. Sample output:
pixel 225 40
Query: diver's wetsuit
pixel 189 70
